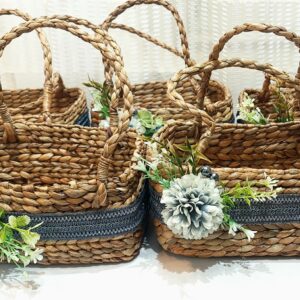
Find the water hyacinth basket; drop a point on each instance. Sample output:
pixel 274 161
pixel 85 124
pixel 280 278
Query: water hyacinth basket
pixel 240 152
pixel 65 104
pixel 80 182
pixel 266 97
pixel 153 95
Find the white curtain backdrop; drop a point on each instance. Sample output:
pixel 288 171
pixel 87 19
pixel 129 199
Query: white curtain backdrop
pixel 205 21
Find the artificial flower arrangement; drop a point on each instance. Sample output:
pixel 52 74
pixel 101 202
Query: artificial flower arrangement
pixel 101 102
pixel 251 114
pixel 18 241
pixel 196 203
pixel 145 123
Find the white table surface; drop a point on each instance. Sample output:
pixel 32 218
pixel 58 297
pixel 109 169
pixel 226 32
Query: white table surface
pixel 155 274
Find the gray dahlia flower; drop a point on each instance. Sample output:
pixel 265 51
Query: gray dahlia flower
pixel 193 207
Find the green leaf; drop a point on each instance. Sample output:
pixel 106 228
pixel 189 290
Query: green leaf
pixel 2 213
pixel 145 116
pixel 12 221
pixel 23 221
pixel 30 238
pixel 6 233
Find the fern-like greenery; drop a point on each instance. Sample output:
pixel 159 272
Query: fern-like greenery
pixel 17 241
pixel 101 96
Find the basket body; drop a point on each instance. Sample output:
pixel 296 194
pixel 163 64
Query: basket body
pixel 50 175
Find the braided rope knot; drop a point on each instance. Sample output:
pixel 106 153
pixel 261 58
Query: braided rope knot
pixel 9 134
pixel 210 108
pixel 101 194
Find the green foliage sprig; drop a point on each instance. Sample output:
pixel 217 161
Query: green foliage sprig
pixel 101 96
pixel 18 251
pixel 168 164
pixel 249 113
pixel 146 123
pixel 246 192
pixel 282 107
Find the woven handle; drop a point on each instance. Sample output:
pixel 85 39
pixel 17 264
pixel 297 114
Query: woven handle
pixel 131 3
pixel 108 23
pixel 209 66
pixel 49 87
pixel 115 48
pixel 122 87
pixel 248 27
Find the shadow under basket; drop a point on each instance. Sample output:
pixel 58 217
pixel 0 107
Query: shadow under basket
pixel 240 152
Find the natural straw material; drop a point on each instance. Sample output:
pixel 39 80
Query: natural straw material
pixel 56 168
pixel 64 104
pixel 238 152
pixel 153 95
pixel 266 97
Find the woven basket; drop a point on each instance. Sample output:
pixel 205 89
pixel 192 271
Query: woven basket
pixel 239 152
pixel 265 97
pixel 67 105
pixel 153 95
pixel 79 181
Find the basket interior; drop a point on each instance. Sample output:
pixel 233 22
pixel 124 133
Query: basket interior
pixel 153 96
pixel 28 102
pixel 267 105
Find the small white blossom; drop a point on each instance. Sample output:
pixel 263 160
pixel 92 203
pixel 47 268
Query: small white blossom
pixel 235 227
pixel 249 233
pixel 36 255
pixel 137 125
pixel 193 208
pixel 104 123
pixel 141 166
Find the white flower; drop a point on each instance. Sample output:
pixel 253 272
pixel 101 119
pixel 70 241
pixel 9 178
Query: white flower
pixel 37 255
pixel 249 233
pixel 271 184
pixel 248 102
pixel 137 125
pixel 235 227
pixel 104 123
pixel 141 166
pixel 193 206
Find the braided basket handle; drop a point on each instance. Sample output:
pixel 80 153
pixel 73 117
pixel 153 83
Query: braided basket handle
pixel 108 23
pixel 247 27
pixel 209 66
pixel 131 3
pixel 122 86
pixel 110 42
pixel 49 85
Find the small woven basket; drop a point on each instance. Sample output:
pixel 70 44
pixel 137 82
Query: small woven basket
pixel 265 97
pixel 79 181
pixel 240 152
pixel 67 105
pixel 153 95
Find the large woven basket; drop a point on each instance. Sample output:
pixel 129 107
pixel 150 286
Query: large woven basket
pixel 67 105
pixel 265 97
pixel 153 95
pixel 79 181
pixel 239 152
